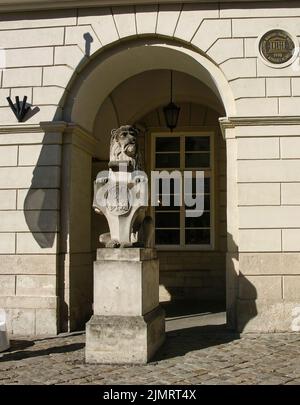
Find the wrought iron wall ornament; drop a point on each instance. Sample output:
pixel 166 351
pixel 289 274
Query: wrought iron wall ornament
pixel 20 109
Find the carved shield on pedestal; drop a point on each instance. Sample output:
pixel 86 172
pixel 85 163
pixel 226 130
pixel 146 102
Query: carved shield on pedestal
pixel 118 199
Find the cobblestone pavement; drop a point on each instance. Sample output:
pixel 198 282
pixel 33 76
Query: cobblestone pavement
pixel 203 355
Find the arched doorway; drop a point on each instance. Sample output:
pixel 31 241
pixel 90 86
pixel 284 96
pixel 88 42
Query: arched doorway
pixel 129 84
pixel 192 253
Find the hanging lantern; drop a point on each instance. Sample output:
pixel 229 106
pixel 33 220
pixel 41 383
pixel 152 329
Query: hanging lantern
pixel 171 111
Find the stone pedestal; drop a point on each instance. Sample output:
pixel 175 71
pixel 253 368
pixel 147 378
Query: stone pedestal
pixel 128 325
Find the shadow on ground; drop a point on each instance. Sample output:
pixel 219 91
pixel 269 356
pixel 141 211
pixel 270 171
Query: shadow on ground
pixel 190 326
pixel 182 341
pixel 193 325
pixel 18 350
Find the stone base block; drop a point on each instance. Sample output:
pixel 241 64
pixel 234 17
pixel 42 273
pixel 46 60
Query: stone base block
pixel 124 339
pixel 126 282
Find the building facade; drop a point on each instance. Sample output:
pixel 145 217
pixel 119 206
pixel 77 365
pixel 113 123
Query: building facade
pixel 89 66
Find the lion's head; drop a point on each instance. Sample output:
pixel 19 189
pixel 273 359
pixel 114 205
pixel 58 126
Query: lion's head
pixel 123 145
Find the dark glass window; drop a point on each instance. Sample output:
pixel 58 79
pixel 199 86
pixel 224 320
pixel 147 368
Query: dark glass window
pixel 168 144
pixel 197 236
pixel 197 143
pixel 167 160
pixel 167 220
pixel 202 221
pixel 167 237
pixel 172 226
pixel 197 160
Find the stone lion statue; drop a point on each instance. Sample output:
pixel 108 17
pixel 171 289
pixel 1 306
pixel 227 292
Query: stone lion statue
pixel 125 212
pixel 124 147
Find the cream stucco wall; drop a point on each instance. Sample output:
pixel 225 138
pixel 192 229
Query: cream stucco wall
pixel 67 62
pixel 267 188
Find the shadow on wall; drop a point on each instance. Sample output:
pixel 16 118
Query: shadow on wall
pixel 246 309
pixel 240 309
pixel 40 196
pixel 48 211
pixel 201 283
pixel 44 219
pixel 42 223
pixel 41 203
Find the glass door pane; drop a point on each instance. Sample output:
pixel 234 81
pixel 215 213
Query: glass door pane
pixel 197 143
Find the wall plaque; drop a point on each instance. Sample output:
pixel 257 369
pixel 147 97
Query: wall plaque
pixel 277 47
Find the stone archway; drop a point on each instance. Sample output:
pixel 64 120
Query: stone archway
pixel 110 68
pixel 106 72
pixel 190 277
